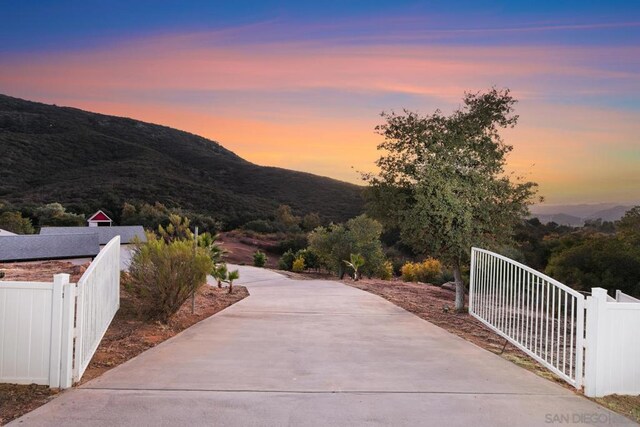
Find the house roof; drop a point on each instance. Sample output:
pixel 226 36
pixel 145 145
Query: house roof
pixel 99 217
pixel 126 232
pixel 36 247
pixel 6 233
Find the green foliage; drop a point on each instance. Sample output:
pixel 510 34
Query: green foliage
pixel 286 260
pixel 293 242
pixel 427 271
pixel 42 146
pixel 231 276
pixel 336 243
pixel 311 259
pixel 15 223
pixel 208 241
pixel 311 221
pixel 220 273
pixel 442 181
pixel 286 219
pixel 355 262
pixel 164 274
pixel 298 265
pixel 259 258
pixel 178 229
pixel 386 270
pixel 629 226
pixel 54 214
pixel 598 261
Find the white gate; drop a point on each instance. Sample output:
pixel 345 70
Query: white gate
pixel 536 313
pixel 97 302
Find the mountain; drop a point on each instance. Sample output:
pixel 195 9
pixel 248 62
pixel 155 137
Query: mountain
pixel 90 161
pixel 576 215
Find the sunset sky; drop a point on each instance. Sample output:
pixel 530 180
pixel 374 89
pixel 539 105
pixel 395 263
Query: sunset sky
pixel 301 84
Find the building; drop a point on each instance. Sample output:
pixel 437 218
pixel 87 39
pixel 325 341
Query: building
pixel 129 234
pixel 77 248
pixel 99 219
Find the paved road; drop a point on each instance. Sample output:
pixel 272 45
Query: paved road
pixel 317 353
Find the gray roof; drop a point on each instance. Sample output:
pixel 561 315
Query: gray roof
pixel 36 247
pixel 105 234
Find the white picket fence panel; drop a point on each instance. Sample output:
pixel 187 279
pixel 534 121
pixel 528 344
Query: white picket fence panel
pixel 37 327
pixel 536 313
pixel 97 303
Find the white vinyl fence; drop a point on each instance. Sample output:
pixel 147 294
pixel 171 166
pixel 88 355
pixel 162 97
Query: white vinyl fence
pixel 98 301
pixel 37 327
pixel 612 360
pixel 546 320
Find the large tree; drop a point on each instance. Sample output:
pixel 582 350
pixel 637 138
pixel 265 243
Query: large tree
pixel 442 180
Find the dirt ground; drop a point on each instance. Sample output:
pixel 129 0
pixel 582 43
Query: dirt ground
pixel 126 337
pixel 240 248
pixel 435 304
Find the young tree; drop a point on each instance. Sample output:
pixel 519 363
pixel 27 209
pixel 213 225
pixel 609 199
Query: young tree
pixel 336 243
pixel 356 261
pixel 442 181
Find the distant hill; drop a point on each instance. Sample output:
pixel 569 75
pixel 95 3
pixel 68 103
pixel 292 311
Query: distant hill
pixel 89 160
pixel 576 215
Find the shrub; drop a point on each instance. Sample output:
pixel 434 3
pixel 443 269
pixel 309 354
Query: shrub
pixel 386 270
pixel 260 226
pixel 259 259
pixel 311 259
pixel 298 265
pixel 426 271
pixel 286 260
pixel 164 274
pixel 295 243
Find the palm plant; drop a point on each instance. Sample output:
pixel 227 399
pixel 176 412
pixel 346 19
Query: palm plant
pixel 233 275
pixel 220 273
pixel 356 262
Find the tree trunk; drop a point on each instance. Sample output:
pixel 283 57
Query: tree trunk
pixel 457 276
pixel 230 287
pixel 219 283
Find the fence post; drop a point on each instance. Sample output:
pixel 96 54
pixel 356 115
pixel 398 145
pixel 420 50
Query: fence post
pixel 472 276
pixel 596 329
pixel 57 302
pixel 66 354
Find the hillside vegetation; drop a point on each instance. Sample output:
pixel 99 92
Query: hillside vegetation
pixel 88 161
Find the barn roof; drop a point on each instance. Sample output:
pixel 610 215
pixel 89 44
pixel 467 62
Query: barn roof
pixel 36 247
pixel 127 233
pixel 99 217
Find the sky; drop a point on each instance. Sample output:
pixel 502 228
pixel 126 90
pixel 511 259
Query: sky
pixel 301 85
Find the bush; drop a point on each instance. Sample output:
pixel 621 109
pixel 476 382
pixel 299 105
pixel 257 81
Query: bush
pixel 386 270
pixel 15 223
pixel 311 259
pixel 295 243
pixel 427 271
pixel 286 260
pixel 298 265
pixel 164 274
pixel 260 226
pixel 259 259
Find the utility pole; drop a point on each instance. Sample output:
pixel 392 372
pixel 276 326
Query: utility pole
pixel 195 253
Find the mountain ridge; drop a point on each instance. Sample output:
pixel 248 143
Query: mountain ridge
pixel 92 160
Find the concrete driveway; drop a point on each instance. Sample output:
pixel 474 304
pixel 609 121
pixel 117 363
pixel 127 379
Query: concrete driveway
pixel 317 353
